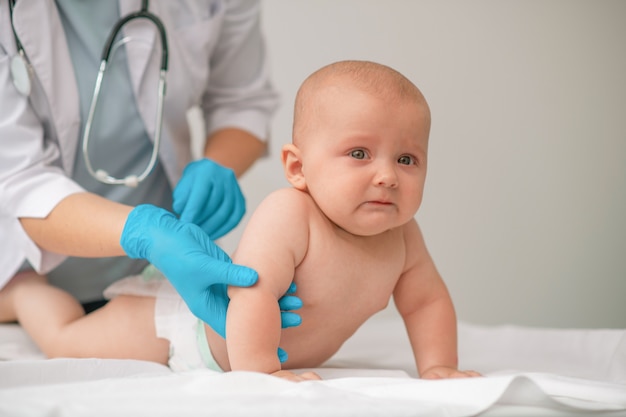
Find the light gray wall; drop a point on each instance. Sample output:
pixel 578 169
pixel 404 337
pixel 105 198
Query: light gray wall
pixel 525 205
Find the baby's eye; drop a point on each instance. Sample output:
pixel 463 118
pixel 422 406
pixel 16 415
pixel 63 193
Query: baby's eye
pixel 358 154
pixel 406 160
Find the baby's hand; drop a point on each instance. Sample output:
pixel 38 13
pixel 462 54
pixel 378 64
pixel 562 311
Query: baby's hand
pixel 442 372
pixel 304 376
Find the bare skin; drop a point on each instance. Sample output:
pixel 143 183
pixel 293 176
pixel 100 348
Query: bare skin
pixel 122 329
pixel 363 274
pixel 87 225
pixel 345 233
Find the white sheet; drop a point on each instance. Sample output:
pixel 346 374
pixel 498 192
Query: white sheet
pixel 540 372
pixel 241 393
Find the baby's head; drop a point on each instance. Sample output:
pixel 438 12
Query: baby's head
pixel 360 141
pixel 365 76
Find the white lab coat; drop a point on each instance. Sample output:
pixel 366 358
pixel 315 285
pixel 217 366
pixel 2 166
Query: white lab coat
pixel 39 135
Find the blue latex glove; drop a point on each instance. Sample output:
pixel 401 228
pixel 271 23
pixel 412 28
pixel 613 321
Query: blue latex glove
pixel 286 303
pixel 209 195
pixel 196 267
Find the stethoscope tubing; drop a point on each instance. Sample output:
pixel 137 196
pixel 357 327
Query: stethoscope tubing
pixel 21 70
pixel 141 14
pixel 100 174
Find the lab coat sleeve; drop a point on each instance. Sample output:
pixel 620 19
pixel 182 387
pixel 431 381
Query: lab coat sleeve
pixel 32 181
pixel 239 92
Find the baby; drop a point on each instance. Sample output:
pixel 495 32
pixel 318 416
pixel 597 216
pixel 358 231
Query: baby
pixel 344 232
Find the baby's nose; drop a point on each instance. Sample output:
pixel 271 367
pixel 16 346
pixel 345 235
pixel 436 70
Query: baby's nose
pixel 387 177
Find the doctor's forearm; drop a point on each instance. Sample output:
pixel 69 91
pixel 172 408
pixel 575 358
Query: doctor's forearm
pixel 82 224
pixel 234 148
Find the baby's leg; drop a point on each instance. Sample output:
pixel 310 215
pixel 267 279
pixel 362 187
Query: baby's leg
pixel 124 328
pixel 41 309
pixel 7 293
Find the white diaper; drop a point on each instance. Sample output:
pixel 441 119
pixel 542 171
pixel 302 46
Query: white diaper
pixel 172 318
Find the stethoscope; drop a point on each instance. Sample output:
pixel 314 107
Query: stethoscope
pixel 22 74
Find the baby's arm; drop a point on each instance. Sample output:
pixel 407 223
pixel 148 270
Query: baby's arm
pixel 423 301
pixel 274 242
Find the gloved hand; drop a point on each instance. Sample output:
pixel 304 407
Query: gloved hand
pixel 208 195
pixel 286 303
pixel 196 267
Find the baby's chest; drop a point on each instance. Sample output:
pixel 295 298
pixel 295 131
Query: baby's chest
pixel 359 278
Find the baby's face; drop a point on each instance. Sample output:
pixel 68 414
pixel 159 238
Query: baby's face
pixel 364 159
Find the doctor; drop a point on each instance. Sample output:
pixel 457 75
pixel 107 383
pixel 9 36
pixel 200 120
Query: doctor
pixel 61 211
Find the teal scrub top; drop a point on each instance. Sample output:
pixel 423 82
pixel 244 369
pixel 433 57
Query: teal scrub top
pixel 118 141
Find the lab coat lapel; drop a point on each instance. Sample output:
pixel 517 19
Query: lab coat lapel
pixel 39 28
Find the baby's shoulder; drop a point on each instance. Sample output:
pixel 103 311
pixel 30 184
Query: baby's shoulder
pixel 414 244
pixel 289 193
pixel 289 197
pixel 285 206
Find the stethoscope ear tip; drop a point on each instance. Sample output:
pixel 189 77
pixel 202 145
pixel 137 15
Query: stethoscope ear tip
pixel 20 74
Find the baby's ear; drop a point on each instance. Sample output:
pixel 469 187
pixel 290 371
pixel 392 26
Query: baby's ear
pixel 292 163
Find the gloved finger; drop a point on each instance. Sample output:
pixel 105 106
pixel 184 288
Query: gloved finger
pixel 231 210
pixel 289 319
pixel 180 195
pixel 227 225
pixel 216 312
pixel 230 274
pixel 207 202
pixel 194 237
pixel 218 213
pixel 289 302
pixel 292 288
pixel 195 207
pixel 282 355
pixel 184 188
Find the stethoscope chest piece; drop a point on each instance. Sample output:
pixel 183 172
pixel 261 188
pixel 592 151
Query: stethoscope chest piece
pixel 20 74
